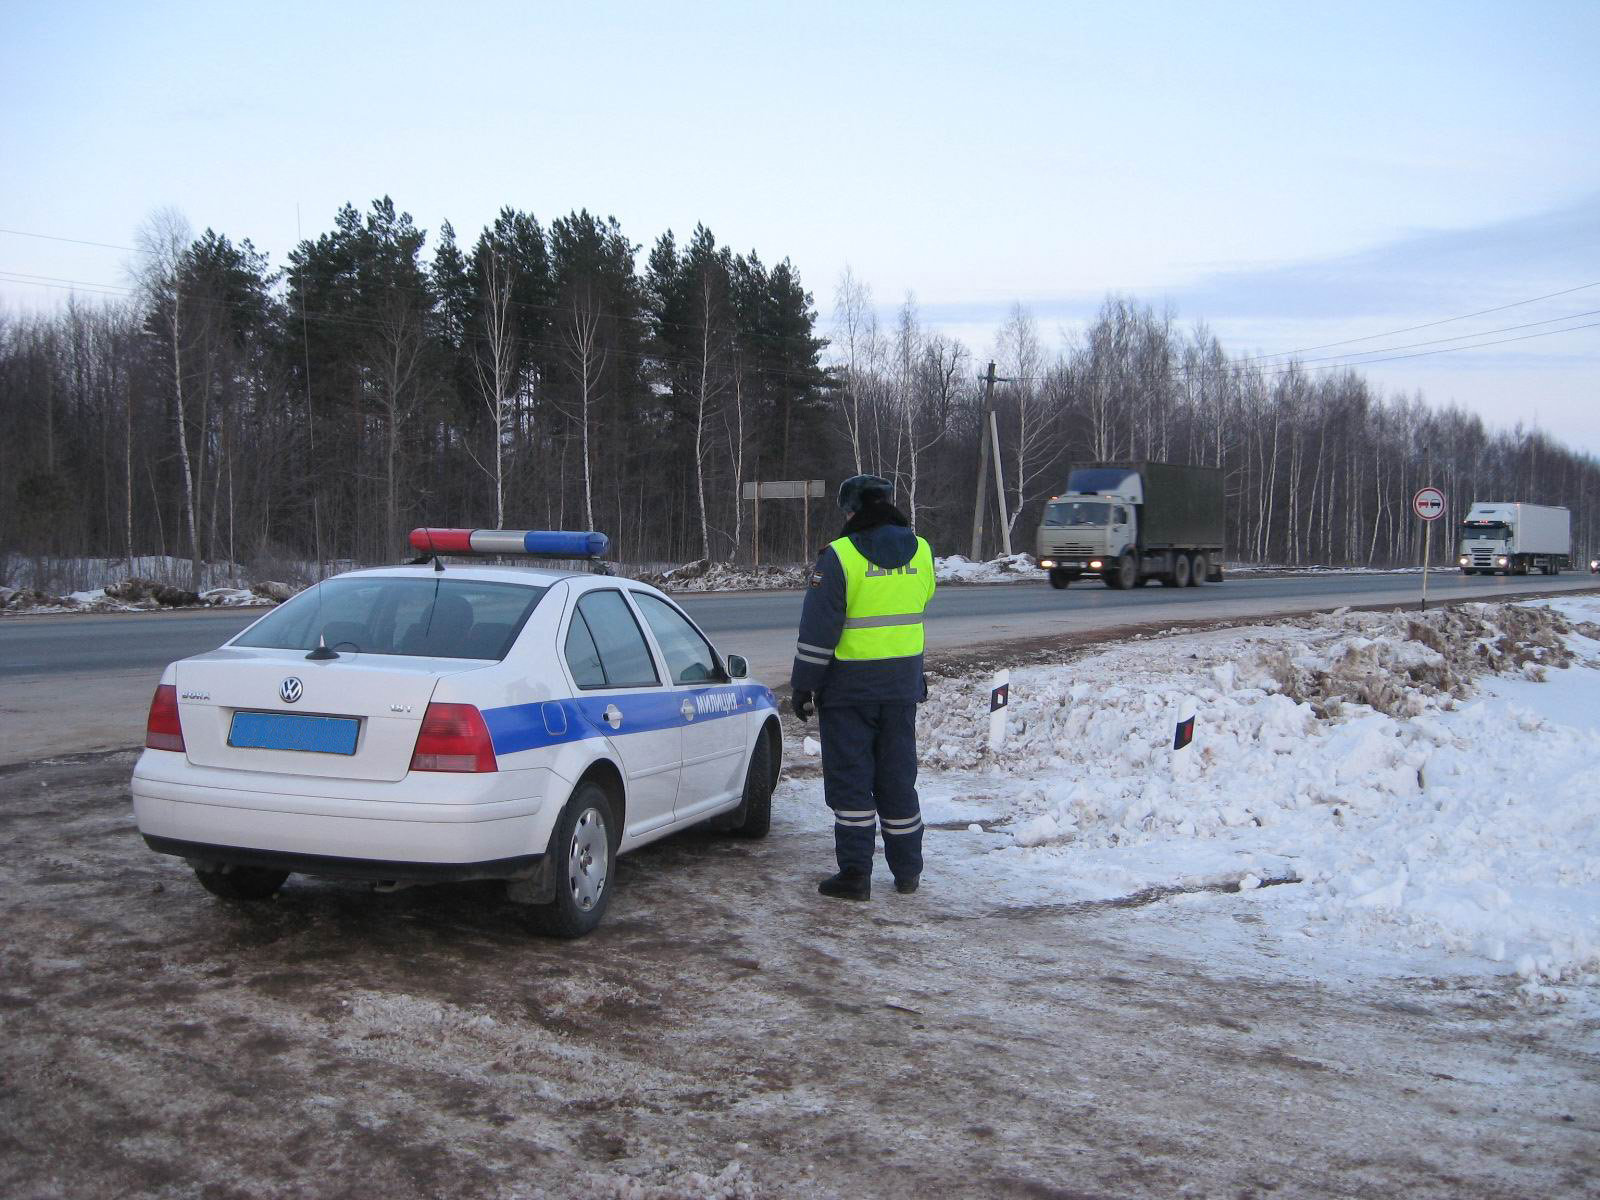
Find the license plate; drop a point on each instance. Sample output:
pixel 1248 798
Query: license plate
pixel 291 731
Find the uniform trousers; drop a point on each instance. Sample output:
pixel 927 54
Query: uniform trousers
pixel 869 774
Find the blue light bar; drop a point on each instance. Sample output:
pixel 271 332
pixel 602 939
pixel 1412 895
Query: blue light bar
pixel 551 544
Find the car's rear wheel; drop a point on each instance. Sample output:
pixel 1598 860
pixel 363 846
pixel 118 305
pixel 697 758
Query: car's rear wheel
pixel 241 883
pixel 754 814
pixel 582 853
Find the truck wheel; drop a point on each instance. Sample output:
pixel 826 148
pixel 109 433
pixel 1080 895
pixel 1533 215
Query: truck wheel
pixel 1126 575
pixel 1180 572
pixel 1059 579
pixel 1200 571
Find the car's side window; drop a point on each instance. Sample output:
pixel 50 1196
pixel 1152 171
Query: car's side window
pixel 1121 515
pixel 689 658
pixel 618 642
pixel 582 657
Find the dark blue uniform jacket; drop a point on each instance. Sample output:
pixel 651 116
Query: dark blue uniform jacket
pixel 869 681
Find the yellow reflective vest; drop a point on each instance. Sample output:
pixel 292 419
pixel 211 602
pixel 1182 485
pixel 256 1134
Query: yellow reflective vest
pixel 883 605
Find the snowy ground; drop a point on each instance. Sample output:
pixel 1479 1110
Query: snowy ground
pixel 1429 785
pixel 1087 997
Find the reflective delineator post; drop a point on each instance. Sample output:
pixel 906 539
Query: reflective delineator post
pixel 999 697
pixel 1183 738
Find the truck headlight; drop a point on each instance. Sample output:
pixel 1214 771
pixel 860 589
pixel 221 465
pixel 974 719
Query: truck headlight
pixel 1095 564
pixel 1595 565
pixel 1047 563
pixel 1503 561
pixel 1462 560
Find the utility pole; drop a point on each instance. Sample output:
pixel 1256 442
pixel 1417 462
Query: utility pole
pixel 989 443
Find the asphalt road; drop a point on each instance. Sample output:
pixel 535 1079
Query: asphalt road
pixel 80 683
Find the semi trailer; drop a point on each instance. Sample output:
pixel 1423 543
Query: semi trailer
pixel 1129 523
pixel 1512 538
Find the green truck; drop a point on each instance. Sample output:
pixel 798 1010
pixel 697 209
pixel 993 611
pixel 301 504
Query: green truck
pixel 1129 523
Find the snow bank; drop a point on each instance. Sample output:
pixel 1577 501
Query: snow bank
pixel 707 576
pixel 1008 568
pixel 1427 782
pixel 139 595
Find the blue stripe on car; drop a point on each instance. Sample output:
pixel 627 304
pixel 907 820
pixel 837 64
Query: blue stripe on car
pixel 518 727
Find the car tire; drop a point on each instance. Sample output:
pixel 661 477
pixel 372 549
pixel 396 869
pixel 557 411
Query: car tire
pixel 1060 580
pixel 583 856
pixel 754 814
pixel 241 883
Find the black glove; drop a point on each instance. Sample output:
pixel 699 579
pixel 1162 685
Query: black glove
pixel 803 704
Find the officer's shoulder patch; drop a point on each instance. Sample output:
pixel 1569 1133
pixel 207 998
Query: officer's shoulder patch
pixel 816 579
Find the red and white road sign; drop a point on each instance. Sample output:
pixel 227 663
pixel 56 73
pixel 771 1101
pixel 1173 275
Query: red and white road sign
pixel 1428 504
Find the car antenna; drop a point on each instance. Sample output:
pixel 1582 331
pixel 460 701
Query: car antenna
pixel 321 653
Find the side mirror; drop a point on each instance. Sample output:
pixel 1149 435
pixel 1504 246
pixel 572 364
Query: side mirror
pixel 738 667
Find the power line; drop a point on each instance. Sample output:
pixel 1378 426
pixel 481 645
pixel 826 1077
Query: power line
pixel 1458 338
pixel 1427 325
pixel 48 237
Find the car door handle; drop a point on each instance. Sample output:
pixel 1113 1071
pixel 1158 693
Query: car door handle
pixel 687 709
pixel 612 716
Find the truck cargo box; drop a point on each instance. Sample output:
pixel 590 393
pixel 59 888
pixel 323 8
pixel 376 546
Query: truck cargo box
pixel 1183 506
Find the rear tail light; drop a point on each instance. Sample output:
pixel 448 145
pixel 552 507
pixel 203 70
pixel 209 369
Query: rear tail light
pixel 161 730
pixel 453 737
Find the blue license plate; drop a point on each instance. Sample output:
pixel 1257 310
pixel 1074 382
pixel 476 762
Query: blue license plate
pixel 291 731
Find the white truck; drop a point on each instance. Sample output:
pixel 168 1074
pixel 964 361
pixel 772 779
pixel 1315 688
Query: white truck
pixel 1512 538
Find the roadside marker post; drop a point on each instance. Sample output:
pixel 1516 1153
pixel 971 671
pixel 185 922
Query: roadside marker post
pixel 1428 504
pixel 1183 738
pixel 999 698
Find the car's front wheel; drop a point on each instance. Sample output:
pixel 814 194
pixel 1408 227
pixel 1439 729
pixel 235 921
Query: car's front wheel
pixel 241 883
pixel 582 855
pixel 754 814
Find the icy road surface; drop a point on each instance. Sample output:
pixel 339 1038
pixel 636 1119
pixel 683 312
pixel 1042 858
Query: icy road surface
pixel 1101 991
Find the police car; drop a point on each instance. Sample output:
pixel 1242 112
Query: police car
pixel 450 721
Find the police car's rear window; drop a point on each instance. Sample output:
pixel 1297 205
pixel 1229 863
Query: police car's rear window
pixel 433 617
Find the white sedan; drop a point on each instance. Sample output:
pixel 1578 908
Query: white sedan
pixel 446 722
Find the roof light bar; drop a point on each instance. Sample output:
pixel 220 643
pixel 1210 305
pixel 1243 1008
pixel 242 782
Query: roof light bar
pixel 534 542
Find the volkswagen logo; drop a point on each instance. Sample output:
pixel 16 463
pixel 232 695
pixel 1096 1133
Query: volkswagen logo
pixel 290 690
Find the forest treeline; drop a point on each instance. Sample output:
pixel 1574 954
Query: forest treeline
pixel 561 376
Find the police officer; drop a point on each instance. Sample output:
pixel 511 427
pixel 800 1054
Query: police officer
pixel 859 664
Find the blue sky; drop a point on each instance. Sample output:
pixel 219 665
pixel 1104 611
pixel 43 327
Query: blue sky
pixel 1291 174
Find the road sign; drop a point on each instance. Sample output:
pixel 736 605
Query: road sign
pixel 1428 504
pixel 785 489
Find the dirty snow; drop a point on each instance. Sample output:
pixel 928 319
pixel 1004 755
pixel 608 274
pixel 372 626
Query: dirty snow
pixel 1419 784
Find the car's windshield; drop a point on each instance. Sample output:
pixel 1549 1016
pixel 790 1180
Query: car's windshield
pixel 1076 512
pixel 433 617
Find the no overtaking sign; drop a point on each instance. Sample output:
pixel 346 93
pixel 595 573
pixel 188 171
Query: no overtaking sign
pixel 1428 504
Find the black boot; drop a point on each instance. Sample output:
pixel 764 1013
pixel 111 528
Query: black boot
pixel 907 884
pixel 847 885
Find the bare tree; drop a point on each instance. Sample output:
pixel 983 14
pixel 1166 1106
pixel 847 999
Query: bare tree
pixel 586 359
pixel 163 245
pixel 1019 350
pixel 497 382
